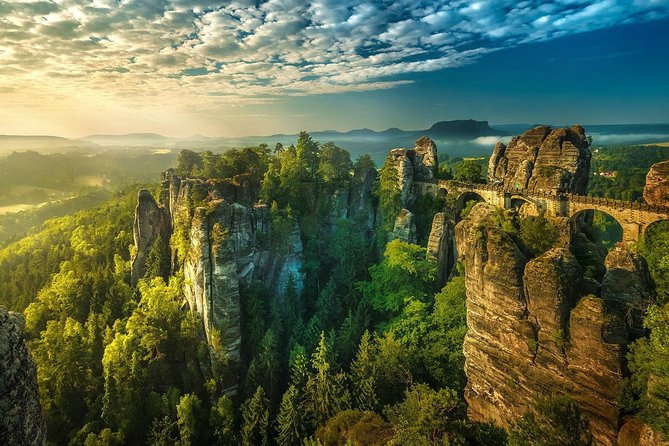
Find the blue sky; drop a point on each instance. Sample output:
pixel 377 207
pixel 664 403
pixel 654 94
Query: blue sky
pixel 257 67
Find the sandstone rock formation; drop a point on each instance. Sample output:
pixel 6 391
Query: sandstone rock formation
pixel 152 225
pixel 223 244
pixel 543 159
pixel 537 326
pixel 439 246
pixel 412 166
pixel 636 433
pixel 656 191
pixel 20 413
pixel 405 227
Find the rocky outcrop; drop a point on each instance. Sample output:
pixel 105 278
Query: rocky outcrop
pixel 538 326
pixel 543 159
pixel 439 246
pixel 152 225
pixel 222 243
pixel 405 227
pixel 656 192
pixel 20 413
pixel 636 433
pixel 412 166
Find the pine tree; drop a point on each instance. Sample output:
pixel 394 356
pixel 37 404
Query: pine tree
pixel 189 417
pixel 299 367
pixel 326 393
pixel 289 419
pixel 263 368
pixel 255 419
pixel 363 375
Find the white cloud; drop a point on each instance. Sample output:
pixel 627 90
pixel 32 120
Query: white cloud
pixel 249 51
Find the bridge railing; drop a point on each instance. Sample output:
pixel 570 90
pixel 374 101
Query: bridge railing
pixel 552 195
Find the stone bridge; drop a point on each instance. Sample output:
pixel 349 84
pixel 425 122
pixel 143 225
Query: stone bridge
pixel 634 217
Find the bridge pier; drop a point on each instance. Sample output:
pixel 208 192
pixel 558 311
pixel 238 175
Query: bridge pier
pixel 631 233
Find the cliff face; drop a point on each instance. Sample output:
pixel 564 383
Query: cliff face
pixel 538 326
pixel 223 245
pixel 20 414
pixel 656 191
pixel 543 159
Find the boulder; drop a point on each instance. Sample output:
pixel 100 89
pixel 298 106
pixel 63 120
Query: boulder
pixel 656 191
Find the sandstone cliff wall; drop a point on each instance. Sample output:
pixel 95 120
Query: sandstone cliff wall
pixel 20 413
pixel 538 326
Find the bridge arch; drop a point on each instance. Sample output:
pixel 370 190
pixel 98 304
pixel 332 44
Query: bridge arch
pixel 604 227
pixel 463 199
pixel 525 206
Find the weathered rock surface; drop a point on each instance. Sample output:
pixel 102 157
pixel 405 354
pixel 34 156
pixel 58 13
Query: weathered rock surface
pixel 543 159
pixel 439 246
pixel 636 433
pixel 20 413
pixel 224 238
pixel 152 223
pixel 656 191
pixel 534 329
pixel 222 242
pixel 405 227
pixel 412 166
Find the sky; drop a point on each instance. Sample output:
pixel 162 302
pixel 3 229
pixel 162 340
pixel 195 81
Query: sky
pixel 252 67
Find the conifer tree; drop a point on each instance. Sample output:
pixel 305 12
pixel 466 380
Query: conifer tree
pixel 263 368
pixel 290 427
pixel 299 367
pixel 363 375
pixel 255 419
pixel 326 393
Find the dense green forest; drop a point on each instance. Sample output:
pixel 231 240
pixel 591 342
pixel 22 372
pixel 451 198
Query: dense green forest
pixel 629 164
pixel 369 353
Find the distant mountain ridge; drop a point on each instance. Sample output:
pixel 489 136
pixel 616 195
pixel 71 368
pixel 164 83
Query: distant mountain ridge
pixel 465 137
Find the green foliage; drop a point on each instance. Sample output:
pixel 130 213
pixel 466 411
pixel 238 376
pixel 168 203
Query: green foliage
pixel 189 163
pixel 649 364
pixel 355 427
pixel 334 164
pixel 427 417
pixel 538 234
pixel 363 375
pixel 402 276
pixel 554 420
pixel 222 421
pixel 631 164
pixel 255 416
pixel 389 194
pixel 469 171
pixel 189 419
pixel 655 248
pixel 325 392
pixel 290 425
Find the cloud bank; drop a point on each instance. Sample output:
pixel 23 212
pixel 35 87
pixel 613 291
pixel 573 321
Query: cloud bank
pixel 198 55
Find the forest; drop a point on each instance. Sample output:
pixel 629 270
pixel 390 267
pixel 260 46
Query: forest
pixel 369 352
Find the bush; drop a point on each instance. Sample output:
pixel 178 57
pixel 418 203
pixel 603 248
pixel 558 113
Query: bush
pixel 554 421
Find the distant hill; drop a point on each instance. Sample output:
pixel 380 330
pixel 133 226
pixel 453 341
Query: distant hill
pixel 131 139
pixel 44 144
pixel 465 137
